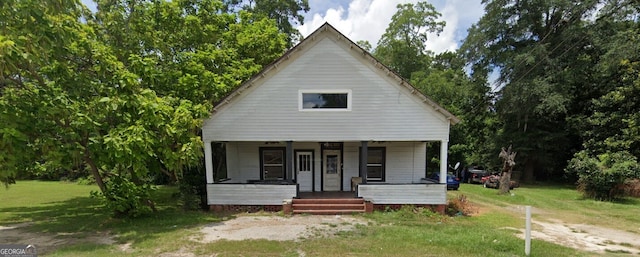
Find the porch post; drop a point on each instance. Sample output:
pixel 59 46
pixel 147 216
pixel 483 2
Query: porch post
pixel 290 157
pixel 363 161
pixel 443 161
pixel 208 161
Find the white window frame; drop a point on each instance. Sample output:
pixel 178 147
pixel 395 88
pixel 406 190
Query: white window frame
pixel 305 165
pixel 324 91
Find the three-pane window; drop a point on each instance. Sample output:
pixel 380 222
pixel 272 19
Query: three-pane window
pixel 272 163
pixel 375 163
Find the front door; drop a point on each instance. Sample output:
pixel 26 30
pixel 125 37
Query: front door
pixel 304 170
pixel 331 170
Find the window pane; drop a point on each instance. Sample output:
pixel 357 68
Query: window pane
pixel 332 164
pixel 273 156
pixel 374 173
pixel 374 156
pixel 304 162
pixel 324 100
pixel 273 172
pixel 375 163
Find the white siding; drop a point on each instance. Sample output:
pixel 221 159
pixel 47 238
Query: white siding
pixel 404 193
pixel 405 162
pixel 382 110
pixel 249 194
pixel 351 164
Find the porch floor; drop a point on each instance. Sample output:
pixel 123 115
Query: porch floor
pixel 326 195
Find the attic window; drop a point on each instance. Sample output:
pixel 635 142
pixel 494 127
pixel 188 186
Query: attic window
pixel 325 100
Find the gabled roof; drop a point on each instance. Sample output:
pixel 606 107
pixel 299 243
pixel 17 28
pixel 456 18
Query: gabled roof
pixel 327 28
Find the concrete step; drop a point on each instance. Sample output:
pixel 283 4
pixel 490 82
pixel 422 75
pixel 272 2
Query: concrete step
pixel 327 212
pixel 328 201
pixel 329 206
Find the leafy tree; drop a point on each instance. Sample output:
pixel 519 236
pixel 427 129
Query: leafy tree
pixel 190 50
pixel 612 123
pixel 609 129
pixel 286 13
pixel 447 82
pixel 544 55
pixel 122 95
pixel 403 45
pixel 365 45
pixel 442 77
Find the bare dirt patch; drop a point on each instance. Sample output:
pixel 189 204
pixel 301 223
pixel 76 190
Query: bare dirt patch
pixel 48 242
pixel 278 228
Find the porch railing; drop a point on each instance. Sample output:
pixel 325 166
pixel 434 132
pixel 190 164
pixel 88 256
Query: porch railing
pixel 250 194
pixel 389 193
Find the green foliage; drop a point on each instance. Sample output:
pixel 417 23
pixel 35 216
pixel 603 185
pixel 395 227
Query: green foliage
pixel 603 177
pixel 446 80
pixel 121 93
pixel 403 45
pixel 283 12
pixel 192 190
pixel 554 61
pixel 442 77
pixel 125 198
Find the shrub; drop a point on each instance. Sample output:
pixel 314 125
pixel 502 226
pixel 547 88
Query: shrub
pixel 192 188
pixel 125 198
pixel 459 206
pixel 602 178
pixel 631 187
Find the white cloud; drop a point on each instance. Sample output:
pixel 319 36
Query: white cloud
pixel 368 19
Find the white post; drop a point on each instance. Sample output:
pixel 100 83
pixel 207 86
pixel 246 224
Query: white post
pixel 443 161
pixel 208 162
pixel 527 234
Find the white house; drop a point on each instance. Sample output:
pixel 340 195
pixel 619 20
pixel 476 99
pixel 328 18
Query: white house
pixel 323 115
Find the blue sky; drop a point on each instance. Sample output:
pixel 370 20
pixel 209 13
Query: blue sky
pixel 367 19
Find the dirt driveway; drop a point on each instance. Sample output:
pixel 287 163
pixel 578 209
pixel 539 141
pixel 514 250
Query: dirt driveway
pixel 278 228
pixel 581 236
pixel 244 226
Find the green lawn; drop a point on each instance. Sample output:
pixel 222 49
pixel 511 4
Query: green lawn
pixel 57 208
pixel 561 202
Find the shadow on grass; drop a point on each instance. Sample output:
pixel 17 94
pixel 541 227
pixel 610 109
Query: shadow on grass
pixel 85 216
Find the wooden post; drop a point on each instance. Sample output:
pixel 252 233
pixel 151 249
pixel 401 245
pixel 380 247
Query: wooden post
pixel 443 161
pixel 527 234
pixel 289 153
pixel 208 161
pixel 364 153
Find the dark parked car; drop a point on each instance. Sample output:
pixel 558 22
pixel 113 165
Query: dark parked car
pixel 452 181
pixel 474 174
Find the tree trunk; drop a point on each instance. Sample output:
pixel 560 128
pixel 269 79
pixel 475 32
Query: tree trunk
pixel 508 158
pixel 505 181
pixel 94 170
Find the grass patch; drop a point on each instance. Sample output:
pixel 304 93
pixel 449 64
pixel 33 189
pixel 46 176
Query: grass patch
pixel 558 202
pixel 55 208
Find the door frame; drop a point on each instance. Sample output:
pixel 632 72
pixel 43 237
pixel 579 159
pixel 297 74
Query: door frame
pixel 339 146
pixel 313 166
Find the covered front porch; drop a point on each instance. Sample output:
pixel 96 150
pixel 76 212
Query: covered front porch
pixel 288 198
pixel 272 173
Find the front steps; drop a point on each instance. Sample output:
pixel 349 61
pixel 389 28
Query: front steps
pixel 328 206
